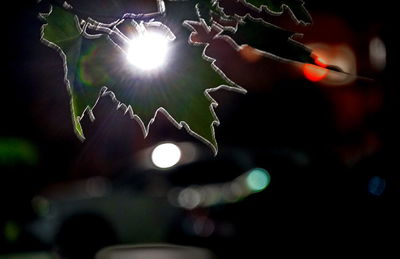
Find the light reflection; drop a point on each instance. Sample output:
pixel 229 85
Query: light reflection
pixel 166 155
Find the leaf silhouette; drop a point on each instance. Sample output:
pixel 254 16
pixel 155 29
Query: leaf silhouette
pixel 296 7
pixel 96 56
pixel 248 27
pixel 96 66
pixel 270 39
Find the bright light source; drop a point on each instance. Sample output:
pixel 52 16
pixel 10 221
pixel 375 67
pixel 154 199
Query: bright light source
pixel 166 155
pixel 148 50
pixel 258 179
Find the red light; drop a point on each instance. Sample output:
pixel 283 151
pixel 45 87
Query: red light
pixel 325 58
pixel 314 73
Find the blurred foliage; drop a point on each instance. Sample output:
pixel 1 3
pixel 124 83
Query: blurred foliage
pixel 14 151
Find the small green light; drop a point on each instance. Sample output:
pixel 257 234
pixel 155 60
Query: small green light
pixel 258 179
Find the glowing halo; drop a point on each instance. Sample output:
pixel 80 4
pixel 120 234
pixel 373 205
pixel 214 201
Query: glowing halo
pixel 148 50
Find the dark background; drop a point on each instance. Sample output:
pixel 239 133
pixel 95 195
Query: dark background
pixel 331 152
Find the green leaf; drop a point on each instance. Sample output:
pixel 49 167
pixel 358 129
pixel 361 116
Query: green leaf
pixel 296 7
pixel 63 33
pixel 179 89
pixel 270 39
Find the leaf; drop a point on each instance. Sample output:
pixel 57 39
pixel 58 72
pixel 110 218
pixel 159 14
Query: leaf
pixel 258 33
pixel 210 12
pixel 179 90
pixel 204 10
pixel 270 39
pixel 296 7
pixel 64 34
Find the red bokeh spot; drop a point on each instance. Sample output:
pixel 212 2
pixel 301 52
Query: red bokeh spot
pixel 314 73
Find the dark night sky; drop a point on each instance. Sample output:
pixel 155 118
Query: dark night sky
pixel 347 135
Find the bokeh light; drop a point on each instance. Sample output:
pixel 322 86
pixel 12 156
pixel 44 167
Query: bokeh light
pixel 233 191
pixel 148 51
pixel 166 155
pixel 258 179
pixel 203 226
pixel 189 198
pixel 376 186
pixel 377 54
pixel 314 73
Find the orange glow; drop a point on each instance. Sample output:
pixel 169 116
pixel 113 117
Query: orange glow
pixel 320 62
pixel 324 55
pixel 250 54
pixel 314 73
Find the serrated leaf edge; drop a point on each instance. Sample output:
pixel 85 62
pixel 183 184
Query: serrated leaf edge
pixel 145 128
pixel 75 118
